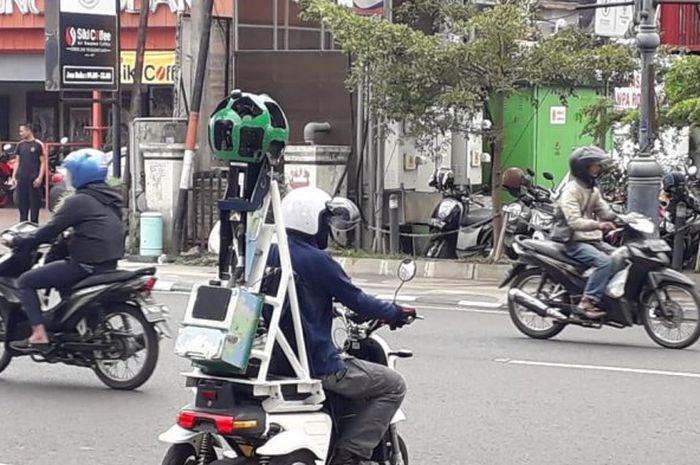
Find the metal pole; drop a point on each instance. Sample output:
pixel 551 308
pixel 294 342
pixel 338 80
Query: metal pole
pixel 679 236
pixel 192 125
pixel 394 223
pixel 644 172
pixel 96 120
pixel 117 137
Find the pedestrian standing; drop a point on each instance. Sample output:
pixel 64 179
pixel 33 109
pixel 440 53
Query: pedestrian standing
pixel 28 176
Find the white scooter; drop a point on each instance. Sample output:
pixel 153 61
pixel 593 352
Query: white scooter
pixel 231 423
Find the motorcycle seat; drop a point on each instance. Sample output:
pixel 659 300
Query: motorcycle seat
pixel 476 216
pixel 116 276
pixel 551 249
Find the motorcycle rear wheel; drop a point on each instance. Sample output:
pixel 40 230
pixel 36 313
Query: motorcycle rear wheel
pixel 527 322
pixel 661 327
pixel 180 454
pixel 104 369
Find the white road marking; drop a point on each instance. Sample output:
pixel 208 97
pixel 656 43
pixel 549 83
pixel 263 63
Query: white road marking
pixel 401 298
pixel 642 371
pixel 163 286
pixel 467 303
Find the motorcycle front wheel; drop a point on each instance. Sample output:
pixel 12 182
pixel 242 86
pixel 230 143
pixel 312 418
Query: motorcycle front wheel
pixel 676 323
pixel 535 283
pixel 5 356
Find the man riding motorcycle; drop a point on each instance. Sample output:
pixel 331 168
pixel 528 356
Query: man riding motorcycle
pixel 309 214
pixel 588 216
pixel 97 242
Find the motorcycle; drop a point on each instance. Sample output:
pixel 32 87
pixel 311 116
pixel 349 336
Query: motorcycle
pixel 227 425
pixel 531 214
pixel 6 170
pixel 677 198
pixel 546 286
pixel 107 322
pixel 457 230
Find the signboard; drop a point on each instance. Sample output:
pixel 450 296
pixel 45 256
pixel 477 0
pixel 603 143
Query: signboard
pixel 629 98
pixel 159 68
pixel 368 7
pixel 557 115
pixel 82 44
pixel 613 21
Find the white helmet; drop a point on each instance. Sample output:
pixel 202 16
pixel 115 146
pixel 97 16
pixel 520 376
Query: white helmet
pixel 310 211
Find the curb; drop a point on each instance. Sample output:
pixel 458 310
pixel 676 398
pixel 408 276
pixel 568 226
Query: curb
pixel 426 268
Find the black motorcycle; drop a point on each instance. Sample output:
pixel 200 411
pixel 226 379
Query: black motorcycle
pixel 531 214
pixel 679 202
pixel 457 229
pixel 107 322
pixel 547 285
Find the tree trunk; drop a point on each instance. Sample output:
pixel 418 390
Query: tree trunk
pixel 498 114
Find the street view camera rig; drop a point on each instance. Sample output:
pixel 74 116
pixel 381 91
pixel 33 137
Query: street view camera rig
pixel 220 333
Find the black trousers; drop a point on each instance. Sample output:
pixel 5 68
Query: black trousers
pixel 29 198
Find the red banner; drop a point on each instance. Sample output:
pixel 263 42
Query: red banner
pixel 368 7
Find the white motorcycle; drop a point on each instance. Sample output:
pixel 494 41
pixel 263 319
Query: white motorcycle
pixel 230 423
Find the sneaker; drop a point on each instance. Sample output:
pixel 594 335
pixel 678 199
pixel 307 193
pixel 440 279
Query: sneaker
pixel 589 309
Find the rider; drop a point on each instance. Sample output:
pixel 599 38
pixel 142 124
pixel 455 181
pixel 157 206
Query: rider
pixel 97 242
pixel 309 214
pixel 588 215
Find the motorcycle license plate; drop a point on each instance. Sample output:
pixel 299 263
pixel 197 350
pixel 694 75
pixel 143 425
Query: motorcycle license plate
pixel 658 245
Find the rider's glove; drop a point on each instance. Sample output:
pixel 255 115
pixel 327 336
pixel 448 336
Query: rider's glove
pixel 406 316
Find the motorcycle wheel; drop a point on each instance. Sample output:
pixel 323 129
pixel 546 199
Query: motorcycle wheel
pixel 436 249
pixel 180 454
pixel 107 370
pixel 5 356
pixel 535 283
pixel 661 327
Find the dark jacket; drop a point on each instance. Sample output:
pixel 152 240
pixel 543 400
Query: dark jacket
pixel 94 213
pixel 319 280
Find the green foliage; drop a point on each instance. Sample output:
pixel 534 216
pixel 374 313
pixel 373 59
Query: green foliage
pixel 600 117
pixel 682 88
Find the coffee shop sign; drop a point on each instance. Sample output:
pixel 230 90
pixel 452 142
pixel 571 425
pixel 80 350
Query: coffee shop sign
pixel 31 7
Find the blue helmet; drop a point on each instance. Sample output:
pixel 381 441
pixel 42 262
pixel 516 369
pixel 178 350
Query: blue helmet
pixel 86 166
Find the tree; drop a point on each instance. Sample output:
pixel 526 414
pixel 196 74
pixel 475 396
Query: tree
pixel 445 61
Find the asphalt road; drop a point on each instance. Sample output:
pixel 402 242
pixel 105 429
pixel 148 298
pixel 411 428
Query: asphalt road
pixel 479 393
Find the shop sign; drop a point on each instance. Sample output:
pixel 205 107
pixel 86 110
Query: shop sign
pixel 82 43
pixel 159 68
pixel 32 7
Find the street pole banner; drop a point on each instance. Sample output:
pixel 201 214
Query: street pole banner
pixel 368 7
pixel 82 45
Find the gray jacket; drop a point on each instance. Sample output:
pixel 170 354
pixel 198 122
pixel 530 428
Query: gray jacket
pixel 584 209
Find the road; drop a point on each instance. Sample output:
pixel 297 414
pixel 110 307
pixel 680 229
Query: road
pixel 479 394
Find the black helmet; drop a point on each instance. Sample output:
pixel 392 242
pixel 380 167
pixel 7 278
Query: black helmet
pixel 673 181
pixel 583 158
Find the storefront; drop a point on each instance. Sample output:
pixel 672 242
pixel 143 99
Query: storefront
pixel 22 73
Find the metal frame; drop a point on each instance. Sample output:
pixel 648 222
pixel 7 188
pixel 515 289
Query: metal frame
pixel 262 235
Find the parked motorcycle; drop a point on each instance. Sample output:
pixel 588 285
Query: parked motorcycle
pixel 532 212
pixel 547 285
pixel 228 425
pixel 457 229
pixel 677 197
pixel 108 322
pixel 6 170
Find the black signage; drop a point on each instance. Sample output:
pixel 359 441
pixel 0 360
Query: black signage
pixel 82 45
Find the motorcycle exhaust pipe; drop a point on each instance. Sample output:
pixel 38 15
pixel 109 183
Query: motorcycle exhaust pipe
pixel 535 305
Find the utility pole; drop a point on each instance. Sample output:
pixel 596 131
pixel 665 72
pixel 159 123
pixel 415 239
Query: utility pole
pixel 198 84
pixel 644 172
pixel 136 93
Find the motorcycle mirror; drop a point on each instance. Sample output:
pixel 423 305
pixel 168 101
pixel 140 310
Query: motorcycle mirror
pixel 548 176
pixel 530 172
pixel 693 170
pixel 64 140
pixel 407 270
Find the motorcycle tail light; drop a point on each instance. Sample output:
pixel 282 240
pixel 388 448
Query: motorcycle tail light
pixel 224 424
pixel 148 286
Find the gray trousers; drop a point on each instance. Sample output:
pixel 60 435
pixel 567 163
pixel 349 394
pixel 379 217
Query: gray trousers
pixel 382 388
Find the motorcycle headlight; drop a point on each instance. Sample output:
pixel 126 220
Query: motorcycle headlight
pixel 540 220
pixel 512 212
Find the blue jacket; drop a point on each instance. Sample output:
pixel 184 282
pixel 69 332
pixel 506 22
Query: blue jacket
pixel 319 280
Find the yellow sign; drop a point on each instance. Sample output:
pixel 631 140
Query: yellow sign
pixel 158 68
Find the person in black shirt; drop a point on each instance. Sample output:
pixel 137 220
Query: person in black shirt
pixel 94 212
pixel 28 176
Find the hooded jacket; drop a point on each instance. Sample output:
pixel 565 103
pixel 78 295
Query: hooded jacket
pixel 584 209
pixel 94 213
